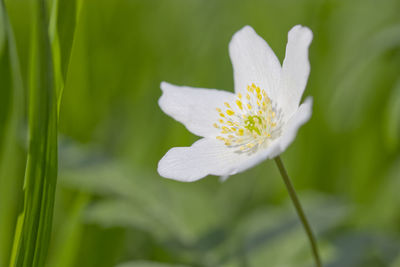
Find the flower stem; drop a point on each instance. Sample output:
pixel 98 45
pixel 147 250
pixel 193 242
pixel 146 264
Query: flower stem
pixel 299 210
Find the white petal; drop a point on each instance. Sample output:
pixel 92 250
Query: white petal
pixel 295 69
pixel 194 107
pixel 300 117
pixel 254 62
pixel 204 157
pixel 211 156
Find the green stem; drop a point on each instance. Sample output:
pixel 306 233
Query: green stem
pixel 299 210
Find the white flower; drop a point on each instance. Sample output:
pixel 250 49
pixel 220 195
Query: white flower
pixel 240 130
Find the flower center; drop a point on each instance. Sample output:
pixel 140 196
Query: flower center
pixel 251 122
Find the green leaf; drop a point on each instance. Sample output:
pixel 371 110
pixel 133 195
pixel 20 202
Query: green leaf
pixel 158 207
pixel 41 171
pixel 11 118
pixel 63 21
pixel 112 213
pixel 48 68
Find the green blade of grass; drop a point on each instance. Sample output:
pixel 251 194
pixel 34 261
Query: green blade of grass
pixel 11 153
pixel 64 17
pixel 51 48
pixel 34 226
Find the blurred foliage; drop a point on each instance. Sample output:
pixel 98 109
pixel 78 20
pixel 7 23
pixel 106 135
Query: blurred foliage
pixel 112 209
pixel 12 154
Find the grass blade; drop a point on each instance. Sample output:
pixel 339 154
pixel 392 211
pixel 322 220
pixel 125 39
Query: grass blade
pixel 12 156
pixel 51 48
pixel 64 17
pixel 34 226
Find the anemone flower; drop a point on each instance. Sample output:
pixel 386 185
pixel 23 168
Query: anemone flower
pixel 257 122
pixel 240 130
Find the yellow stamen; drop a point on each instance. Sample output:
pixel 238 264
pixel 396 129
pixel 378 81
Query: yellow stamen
pixel 230 112
pixel 247 126
pixel 239 104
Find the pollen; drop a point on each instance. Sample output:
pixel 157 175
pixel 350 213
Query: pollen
pixel 248 123
pixel 230 112
pixel 239 104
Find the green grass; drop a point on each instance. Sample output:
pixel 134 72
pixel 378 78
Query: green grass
pixel 48 67
pixel 107 58
pixel 34 223
pixel 11 119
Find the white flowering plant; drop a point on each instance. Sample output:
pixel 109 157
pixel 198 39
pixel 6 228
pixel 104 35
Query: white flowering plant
pixel 239 130
pixel 257 122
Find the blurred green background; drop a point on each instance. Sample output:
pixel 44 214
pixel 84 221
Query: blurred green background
pixel 113 209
